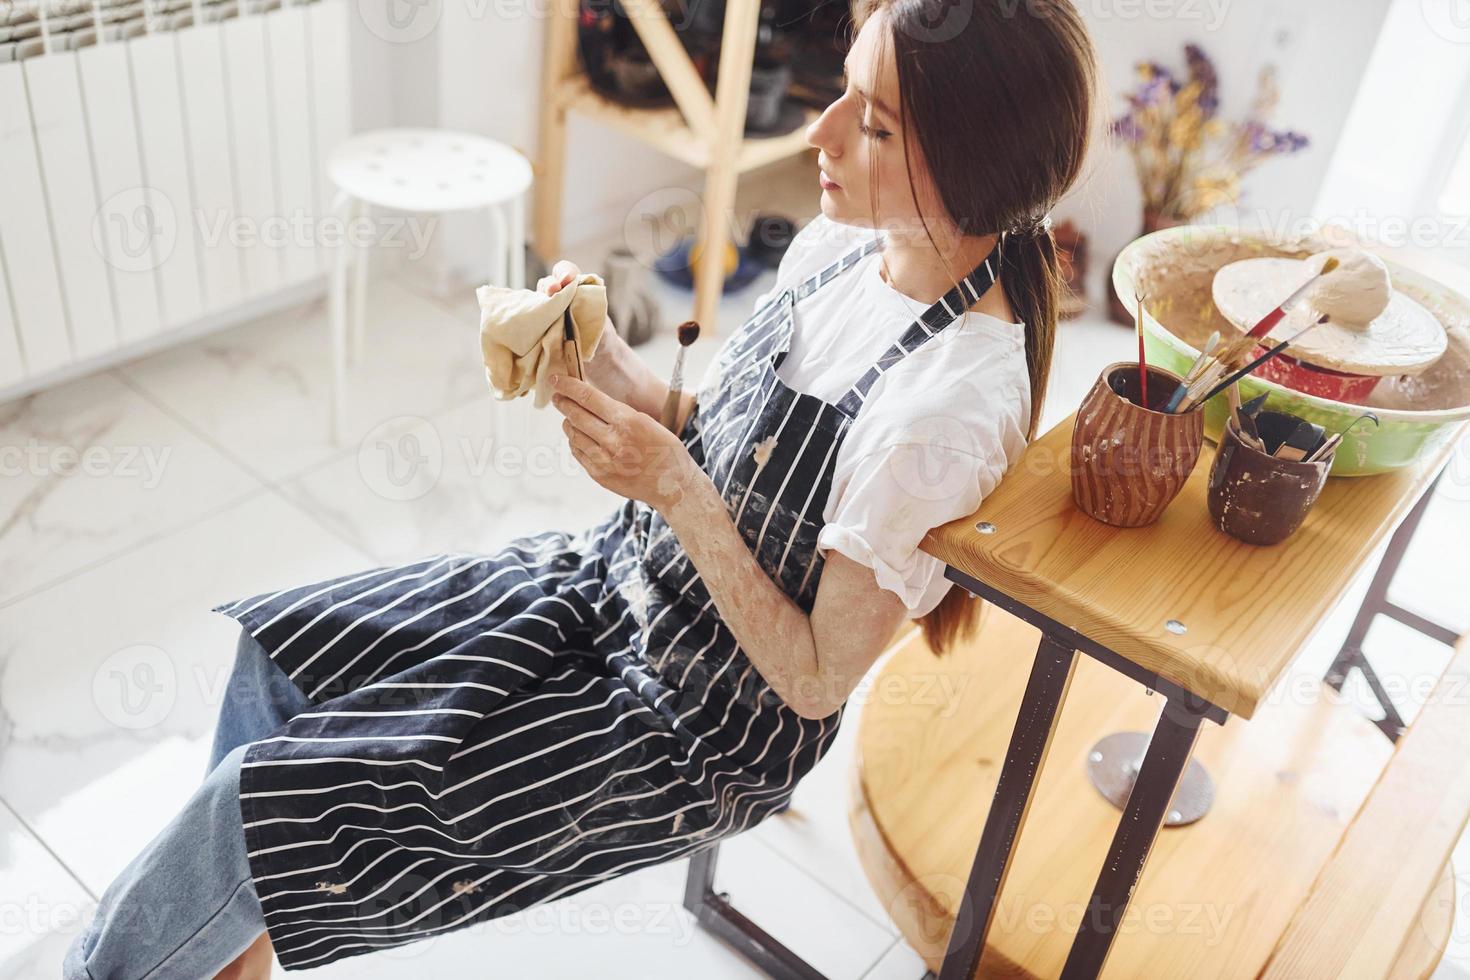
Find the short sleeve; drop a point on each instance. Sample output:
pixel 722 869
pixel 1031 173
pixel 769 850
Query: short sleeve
pixel 886 499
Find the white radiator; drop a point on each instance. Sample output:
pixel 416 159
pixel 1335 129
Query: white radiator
pixel 161 168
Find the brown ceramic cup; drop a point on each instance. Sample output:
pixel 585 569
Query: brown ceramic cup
pixel 1257 498
pixel 1128 461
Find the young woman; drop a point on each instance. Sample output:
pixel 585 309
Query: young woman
pixel 416 749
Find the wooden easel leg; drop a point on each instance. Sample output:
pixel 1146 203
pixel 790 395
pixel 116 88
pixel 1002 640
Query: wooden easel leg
pixel 732 92
pixel 551 154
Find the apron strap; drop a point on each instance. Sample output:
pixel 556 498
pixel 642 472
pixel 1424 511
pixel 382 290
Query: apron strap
pixel 832 271
pixel 951 307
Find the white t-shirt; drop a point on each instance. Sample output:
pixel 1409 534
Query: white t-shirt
pixel 936 432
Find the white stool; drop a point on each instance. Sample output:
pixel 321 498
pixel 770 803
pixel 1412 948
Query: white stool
pixel 426 171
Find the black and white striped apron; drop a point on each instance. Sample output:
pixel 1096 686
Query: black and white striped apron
pixel 494 731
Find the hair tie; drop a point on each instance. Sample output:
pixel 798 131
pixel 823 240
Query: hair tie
pixel 1039 227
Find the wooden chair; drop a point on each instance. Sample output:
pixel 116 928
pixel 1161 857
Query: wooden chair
pixel 1373 901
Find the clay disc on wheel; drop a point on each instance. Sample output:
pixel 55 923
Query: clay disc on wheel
pixel 1403 339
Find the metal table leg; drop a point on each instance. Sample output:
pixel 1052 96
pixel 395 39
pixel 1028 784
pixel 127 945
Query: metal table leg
pixel 1168 755
pixel 716 914
pixel 1051 674
pixel 1376 603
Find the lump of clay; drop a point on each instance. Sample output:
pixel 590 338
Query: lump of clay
pixel 1356 292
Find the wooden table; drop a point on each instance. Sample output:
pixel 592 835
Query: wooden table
pixel 1208 622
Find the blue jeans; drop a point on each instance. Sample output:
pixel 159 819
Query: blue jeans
pixel 186 907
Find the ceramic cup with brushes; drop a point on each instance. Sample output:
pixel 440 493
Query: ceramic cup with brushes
pixel 1255 494
pixel 1129 460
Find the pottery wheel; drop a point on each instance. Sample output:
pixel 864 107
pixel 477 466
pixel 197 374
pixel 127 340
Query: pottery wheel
pixel 1405 338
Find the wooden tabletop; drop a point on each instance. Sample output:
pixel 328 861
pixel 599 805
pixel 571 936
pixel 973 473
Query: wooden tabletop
pixel 1247 610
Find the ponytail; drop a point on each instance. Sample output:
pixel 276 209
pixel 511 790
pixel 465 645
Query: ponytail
pixel 1032 278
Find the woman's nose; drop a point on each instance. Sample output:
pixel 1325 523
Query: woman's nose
pixel 822 134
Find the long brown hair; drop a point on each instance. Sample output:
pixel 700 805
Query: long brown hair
pixel 998 97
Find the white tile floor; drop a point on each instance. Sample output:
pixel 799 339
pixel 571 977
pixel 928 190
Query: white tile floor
pixel 206 474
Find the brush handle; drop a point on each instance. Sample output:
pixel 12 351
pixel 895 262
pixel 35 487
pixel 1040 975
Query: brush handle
pixel 1246 370
pixel 1326 448
pixel 669 417
pixel 1268 321
pixel 1274 317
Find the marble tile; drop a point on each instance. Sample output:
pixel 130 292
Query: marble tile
pixel 43 906
pixel 469 479
pixel 636 926
pixel 261 391
pixel 1431 580
pixel 110 682
pixel 813 833
pixel 633 926
pixel 899 963
pixel 89 469
pixel 1451 970
pixel 809 918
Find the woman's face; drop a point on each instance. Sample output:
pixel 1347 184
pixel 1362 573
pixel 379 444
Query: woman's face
pixel 859 136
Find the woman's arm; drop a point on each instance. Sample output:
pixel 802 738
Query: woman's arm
pixel 811 662
pixel 616 369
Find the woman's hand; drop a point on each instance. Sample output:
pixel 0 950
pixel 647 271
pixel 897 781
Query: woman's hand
pixel 623 449
pixel 615 367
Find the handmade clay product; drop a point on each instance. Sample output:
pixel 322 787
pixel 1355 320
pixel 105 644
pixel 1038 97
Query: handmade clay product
pixel 1420 411
pixel 1128 461
pixel 1371 331
pixel 1257 498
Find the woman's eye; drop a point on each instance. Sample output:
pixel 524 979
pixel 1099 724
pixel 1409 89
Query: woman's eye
pixel 877 134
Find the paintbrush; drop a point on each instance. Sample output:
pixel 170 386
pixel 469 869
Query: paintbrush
pixel 1142 362
pixel 571 353
pixel 1192 373
pixel 1275 316
pixel 688 333
pixel 1200 385
pixel 1237 375
pixel 1242 372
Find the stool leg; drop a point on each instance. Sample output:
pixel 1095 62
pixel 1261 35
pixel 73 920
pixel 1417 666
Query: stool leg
pixel 337 323
pixel 362 255
pixel 517 239
pixel 500 251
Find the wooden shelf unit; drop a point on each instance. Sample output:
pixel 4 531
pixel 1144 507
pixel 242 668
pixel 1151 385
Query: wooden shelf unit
pixel 703 132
